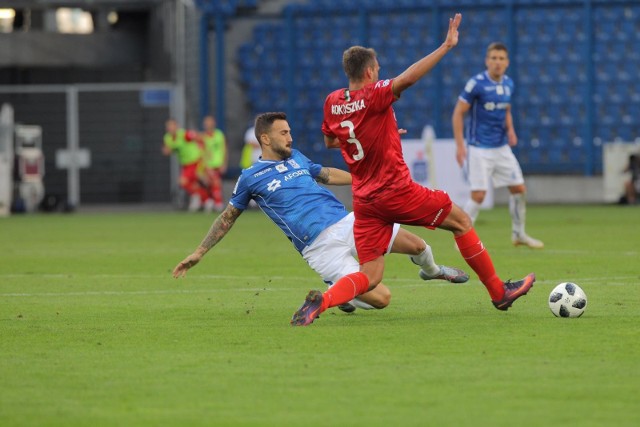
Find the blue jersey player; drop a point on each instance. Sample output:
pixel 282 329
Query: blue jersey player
pixel 284 184
pixel 490 136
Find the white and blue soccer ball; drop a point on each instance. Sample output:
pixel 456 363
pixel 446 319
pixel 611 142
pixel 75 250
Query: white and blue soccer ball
pixel 567 300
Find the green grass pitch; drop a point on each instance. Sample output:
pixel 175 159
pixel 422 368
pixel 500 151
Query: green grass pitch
pixel 94 331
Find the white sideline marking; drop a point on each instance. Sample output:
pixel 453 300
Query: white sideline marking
pixel 394 283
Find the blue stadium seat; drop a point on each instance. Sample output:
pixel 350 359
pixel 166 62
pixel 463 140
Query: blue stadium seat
pixel 556 155
pixel 575 155
pixel 247 3
pixel 626 132
pixel 547 63
pixel 533 155
pixel 606 133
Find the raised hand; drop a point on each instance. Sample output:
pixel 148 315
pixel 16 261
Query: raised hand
pixel 452 34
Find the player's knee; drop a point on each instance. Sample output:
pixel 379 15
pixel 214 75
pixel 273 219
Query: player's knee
pixel 416 247
pixel 382 298
pixel 478 196
pixel 518 189
pixel 419 246
pixel 409 243
pixel 462 224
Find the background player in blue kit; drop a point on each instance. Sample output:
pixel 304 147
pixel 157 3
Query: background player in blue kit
pixel 490 136
pixel 284 184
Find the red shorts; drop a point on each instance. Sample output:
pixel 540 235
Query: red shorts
pixel 416 205
pixel 213 176
pixel 189 175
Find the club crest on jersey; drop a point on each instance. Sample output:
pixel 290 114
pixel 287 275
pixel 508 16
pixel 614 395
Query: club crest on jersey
pixel 274 185
pixel 293 164
pixel 281 167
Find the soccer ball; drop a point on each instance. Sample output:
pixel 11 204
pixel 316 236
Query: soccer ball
pixel 567 300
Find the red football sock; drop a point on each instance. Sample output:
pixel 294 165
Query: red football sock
pixel 345 289
pixel 475 254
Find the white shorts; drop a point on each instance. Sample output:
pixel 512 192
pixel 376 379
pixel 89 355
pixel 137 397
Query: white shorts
pixel 499 164
pixel 333 254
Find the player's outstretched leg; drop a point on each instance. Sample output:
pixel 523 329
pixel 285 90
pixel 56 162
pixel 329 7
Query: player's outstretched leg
pixel 309 310
pixel 344 290
pixel 429 270
pixel 514 290
pixel 450 274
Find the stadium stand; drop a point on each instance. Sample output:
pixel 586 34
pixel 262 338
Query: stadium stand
pixel 559 103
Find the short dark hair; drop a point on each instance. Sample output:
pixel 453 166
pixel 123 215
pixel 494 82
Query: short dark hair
pixel 264 122
pixel 497 46
pixel 355 60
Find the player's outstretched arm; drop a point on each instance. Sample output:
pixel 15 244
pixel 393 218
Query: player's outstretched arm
pixel 334 176
pixel 417 70
pixel 218 230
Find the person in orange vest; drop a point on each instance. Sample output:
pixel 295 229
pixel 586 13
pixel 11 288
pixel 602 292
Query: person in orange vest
pixel 189 149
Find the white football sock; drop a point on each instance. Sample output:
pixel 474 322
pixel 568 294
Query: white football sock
pixel 472 208
pixel 361 304
pixel 518 211
pixel 425 261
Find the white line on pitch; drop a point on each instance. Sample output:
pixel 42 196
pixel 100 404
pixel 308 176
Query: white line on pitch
pixel 393 284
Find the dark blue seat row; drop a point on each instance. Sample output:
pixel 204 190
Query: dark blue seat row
pixel 549 65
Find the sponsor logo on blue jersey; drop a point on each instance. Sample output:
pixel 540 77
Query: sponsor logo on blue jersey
pixel 290 196
pixel 489 102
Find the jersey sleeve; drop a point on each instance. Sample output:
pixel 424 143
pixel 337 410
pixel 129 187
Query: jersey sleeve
pixel 314 168
pixel 381 95
pixel 241 195
pixel 326 128
pixel 470 91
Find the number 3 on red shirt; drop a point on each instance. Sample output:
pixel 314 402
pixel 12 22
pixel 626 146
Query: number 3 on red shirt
pixel 353 140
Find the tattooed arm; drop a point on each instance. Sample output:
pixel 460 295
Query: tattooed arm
pixel 334 176
pixel 218 230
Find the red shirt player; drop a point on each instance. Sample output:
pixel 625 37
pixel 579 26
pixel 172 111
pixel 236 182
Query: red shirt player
pixel 360 120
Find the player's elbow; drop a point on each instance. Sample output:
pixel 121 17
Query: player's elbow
pixel 331 142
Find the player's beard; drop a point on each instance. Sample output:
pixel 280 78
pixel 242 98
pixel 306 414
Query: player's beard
pixel 284 151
